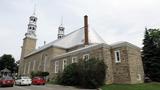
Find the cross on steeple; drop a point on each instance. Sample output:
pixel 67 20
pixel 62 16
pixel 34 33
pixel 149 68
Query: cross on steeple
pixel 34 9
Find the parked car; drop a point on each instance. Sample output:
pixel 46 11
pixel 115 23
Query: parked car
pixel 23 80
pixel 7 81
pixel 38 81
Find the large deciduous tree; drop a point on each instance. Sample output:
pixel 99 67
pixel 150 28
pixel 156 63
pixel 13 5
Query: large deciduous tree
pixel 151 54
pixel 7 61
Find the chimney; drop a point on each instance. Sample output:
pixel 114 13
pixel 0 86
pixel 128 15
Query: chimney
pixel 86 41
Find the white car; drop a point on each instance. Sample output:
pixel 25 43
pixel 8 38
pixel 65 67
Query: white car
pixel 23 80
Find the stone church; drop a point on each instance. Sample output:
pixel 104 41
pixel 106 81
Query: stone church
pixel 123 59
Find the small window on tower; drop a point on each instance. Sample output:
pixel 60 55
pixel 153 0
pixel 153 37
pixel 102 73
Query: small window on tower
pixel 31 19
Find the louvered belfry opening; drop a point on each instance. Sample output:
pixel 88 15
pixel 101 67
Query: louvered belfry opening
pixel 86 41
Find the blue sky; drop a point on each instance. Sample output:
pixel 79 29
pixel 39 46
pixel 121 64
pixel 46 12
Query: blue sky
pixel 113 20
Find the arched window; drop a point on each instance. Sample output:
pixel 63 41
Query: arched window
pixel 56 67
pixel 34 20
pixel 44 60
pixel 64 63
pixel 33 28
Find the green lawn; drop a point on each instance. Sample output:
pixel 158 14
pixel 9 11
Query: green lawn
pixel 145 86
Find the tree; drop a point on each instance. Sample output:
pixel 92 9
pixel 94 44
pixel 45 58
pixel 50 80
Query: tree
pixel 86 74
pixel 151 54
pixel 7 61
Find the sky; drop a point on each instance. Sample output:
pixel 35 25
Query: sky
pixel 113 20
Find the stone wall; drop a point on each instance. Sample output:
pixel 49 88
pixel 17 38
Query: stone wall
pixel 29 44
pixel 135 64
pixel 40 61
pixel 121 70
pixel 94 52
pixel 130 69
pixel 108 61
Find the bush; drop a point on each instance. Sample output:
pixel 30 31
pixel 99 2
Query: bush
pixel 86 74
pixel 69 76
pixel 39 73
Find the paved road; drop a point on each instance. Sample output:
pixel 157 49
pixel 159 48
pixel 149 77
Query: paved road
pixel 38 87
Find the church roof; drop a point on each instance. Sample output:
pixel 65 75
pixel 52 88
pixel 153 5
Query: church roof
pixel 77 38
pixel 123 43
pixel 72 39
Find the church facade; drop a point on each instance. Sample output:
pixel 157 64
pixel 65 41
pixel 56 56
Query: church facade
pixel 123 59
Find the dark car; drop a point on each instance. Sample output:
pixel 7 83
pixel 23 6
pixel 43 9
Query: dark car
pixel 7 81
pixel 38 81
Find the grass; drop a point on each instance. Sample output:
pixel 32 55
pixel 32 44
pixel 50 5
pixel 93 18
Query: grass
pixel 144 86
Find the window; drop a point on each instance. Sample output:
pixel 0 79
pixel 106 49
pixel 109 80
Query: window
pixel 117 56
pixel 138 76
pixel 56 66
pixel 33 28
pixel 24 69
pixel 86 57
pixel 34 62
pixel 64 63
pixel 34 20
pixel 44 62
pixel 29 64
pixel 74 59
pixel 39 65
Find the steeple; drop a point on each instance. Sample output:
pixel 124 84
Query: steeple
pixel 32 26
pixel 29 41
pixel 61 30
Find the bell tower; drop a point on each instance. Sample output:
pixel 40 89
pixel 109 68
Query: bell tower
pixel 60 30
pixel 29 41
